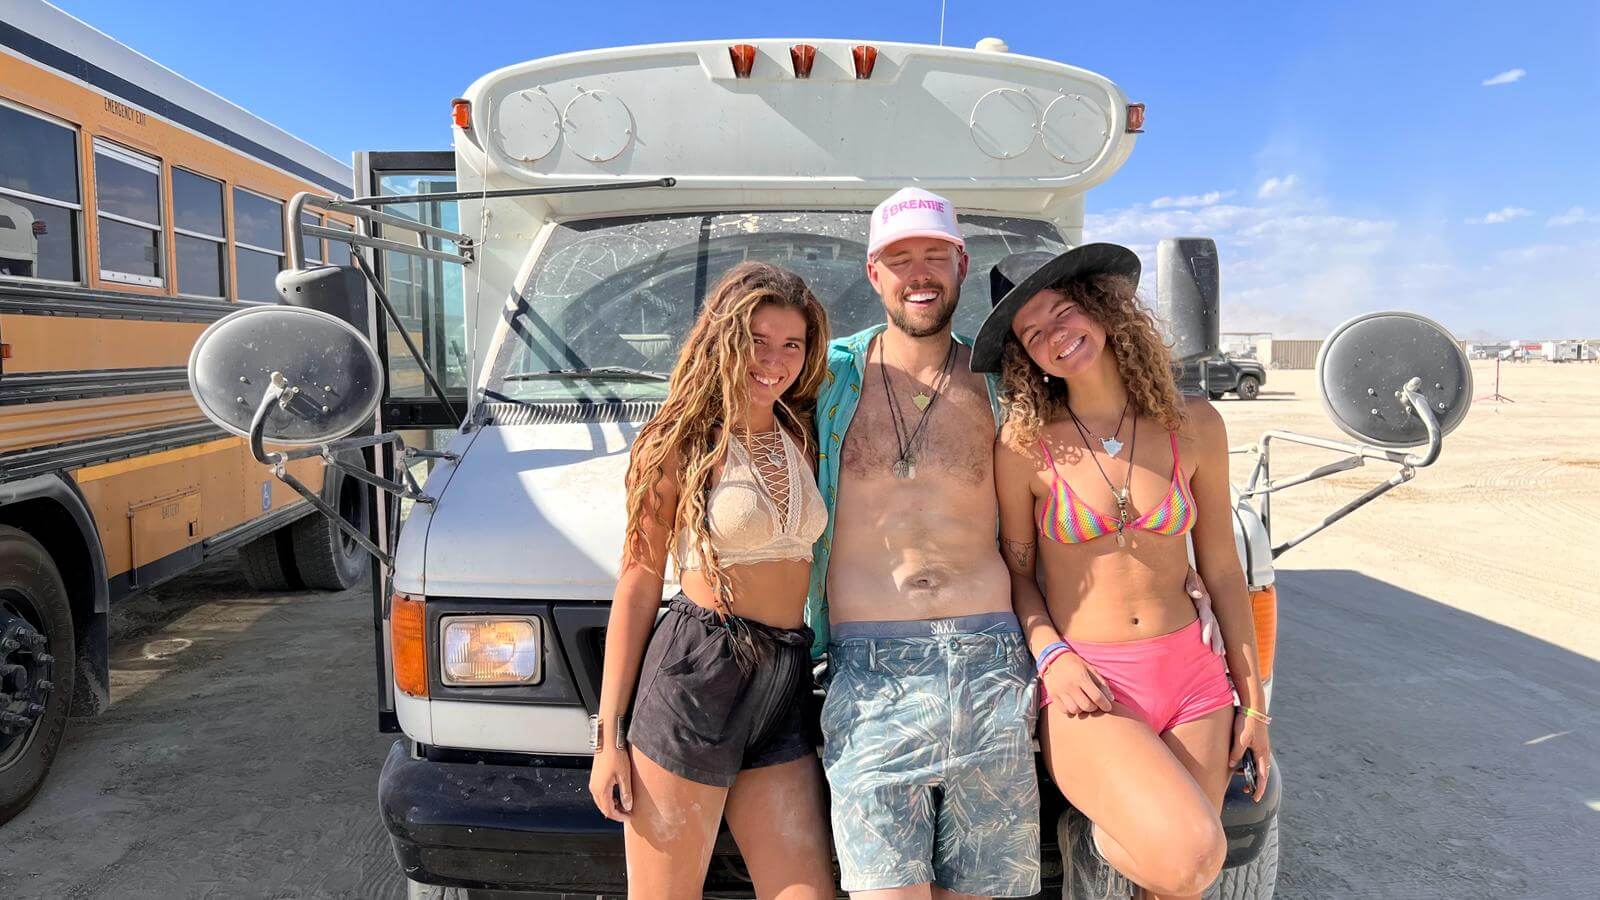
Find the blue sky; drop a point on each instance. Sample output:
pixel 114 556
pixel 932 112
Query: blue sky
pixel 1346 156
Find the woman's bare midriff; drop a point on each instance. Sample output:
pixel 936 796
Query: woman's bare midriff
pixel 1098 591
pixel 772 593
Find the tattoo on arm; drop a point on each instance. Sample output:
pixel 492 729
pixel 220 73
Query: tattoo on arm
pixel 1019 553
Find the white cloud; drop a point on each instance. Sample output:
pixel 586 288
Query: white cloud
pixel 1189 200
pixel 1499 216
pixel 1574 216
pixel 1297 268
pixel 1277 187
pixel 1509 76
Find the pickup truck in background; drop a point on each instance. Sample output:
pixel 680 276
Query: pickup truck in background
pixel 1223 374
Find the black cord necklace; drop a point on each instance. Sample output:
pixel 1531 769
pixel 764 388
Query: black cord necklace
pixel 905 464
pixel 1123 496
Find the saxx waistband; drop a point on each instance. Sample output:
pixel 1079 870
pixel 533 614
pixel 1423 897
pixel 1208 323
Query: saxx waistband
pixel 982 623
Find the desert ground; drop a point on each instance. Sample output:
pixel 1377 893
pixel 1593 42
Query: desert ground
pixel 1437 692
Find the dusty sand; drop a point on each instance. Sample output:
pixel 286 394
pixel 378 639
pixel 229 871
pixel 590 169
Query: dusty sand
pixel 1437 694
pixel 1438 690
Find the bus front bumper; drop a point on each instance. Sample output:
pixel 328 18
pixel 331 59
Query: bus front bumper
pixel 535 828
pixel 509 828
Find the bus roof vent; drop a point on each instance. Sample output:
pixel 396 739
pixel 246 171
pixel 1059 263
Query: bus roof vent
pixel 992 45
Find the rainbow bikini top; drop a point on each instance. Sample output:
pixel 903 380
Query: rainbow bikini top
pixel 1066 519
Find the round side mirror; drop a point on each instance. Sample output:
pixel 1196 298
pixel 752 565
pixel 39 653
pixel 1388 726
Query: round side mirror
pixel 332 378
pixel 1364 364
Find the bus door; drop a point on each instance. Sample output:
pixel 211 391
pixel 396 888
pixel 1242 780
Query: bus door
pixel 427 297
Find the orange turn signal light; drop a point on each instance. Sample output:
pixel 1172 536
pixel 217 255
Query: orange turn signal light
pixel 744 59
pixel 1264 610
pixel 408 644
pixel 865 58
pixel 802 55
pixel 1135 118
pixel 461 112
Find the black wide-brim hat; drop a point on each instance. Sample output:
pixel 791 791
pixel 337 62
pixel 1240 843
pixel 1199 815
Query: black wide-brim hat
pixel 1014 280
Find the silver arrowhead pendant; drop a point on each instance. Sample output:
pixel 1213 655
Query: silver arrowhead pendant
pixel 905 467
pixel 1112 446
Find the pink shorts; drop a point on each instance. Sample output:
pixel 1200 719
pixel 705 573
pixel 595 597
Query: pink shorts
pixel 1167 680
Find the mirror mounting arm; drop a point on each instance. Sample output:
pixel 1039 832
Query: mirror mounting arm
pixel 1410 395
pixel 279 393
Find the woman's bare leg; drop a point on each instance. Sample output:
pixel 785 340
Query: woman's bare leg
pixel 1152 821
pixel 1202 747
pixel 670 833
pixel 779 819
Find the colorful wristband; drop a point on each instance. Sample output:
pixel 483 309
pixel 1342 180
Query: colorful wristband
pixel 1049 653
pixel 1256 714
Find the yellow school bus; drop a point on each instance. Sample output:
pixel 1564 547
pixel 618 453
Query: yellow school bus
pixel 135 209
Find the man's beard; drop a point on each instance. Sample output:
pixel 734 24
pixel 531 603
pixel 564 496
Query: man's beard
pixel 940 324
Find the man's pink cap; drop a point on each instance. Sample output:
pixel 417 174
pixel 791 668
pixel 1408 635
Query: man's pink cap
pixel 913 213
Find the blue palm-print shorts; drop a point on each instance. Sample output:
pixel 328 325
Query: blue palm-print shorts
pixel 927 744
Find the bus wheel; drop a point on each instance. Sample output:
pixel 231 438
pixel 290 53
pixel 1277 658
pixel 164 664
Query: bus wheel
pixel 1255 880
pixel 35 690
pixel 268 562
pixel 325 557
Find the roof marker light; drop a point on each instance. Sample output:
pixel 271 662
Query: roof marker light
pixel 1135 118
pixel 802 55
pixel 461 112
pixel 744 59
pixel 865 58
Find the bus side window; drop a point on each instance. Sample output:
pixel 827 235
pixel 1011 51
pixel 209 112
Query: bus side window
pixel 39 193
pixel 198 236
pixel 128 197
pixel 258 244
pixel 311 247
pixel 338 254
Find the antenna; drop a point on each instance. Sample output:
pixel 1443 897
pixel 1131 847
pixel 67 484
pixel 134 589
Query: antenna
pixel 941 22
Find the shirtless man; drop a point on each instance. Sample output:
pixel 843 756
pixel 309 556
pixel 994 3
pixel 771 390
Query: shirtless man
pixel 929 716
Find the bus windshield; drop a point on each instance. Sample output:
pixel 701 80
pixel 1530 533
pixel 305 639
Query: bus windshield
pixel 609 301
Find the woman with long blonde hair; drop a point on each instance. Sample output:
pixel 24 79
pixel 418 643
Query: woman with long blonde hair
pixel 1103 470
pixel 721 481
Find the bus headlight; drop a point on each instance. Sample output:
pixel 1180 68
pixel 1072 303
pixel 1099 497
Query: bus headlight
pixel 491 650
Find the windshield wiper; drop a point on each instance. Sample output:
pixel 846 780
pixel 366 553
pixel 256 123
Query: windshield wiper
pixel 603 373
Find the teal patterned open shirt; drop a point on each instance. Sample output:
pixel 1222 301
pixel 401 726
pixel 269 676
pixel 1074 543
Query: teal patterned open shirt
pixel 836 406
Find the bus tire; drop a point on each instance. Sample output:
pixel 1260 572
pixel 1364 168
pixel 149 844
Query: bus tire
pixel 325 557
pixel 36 616
pixel 268 564
pixel 1255 880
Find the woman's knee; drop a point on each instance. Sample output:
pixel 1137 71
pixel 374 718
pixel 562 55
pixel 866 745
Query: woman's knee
pixel 1193 854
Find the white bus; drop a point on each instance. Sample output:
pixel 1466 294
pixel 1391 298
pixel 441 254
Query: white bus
pixel 597 195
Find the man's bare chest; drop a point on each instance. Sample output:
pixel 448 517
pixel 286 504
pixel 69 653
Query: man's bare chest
pixel 954 440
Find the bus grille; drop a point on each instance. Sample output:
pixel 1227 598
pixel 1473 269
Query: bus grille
pixel 502 413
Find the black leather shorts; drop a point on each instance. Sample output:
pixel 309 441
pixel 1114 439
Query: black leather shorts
pixel 701 715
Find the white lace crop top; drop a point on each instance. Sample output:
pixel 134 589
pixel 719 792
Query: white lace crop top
pixel 765 507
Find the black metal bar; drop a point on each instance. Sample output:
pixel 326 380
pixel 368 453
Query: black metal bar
pixel 377 481
pixel 322 507
pixel 388 200
pixel 1399 478
pixel 394 318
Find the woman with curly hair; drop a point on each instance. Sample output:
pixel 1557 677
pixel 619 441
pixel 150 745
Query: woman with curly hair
pixel 1105 474
pixel 721 480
